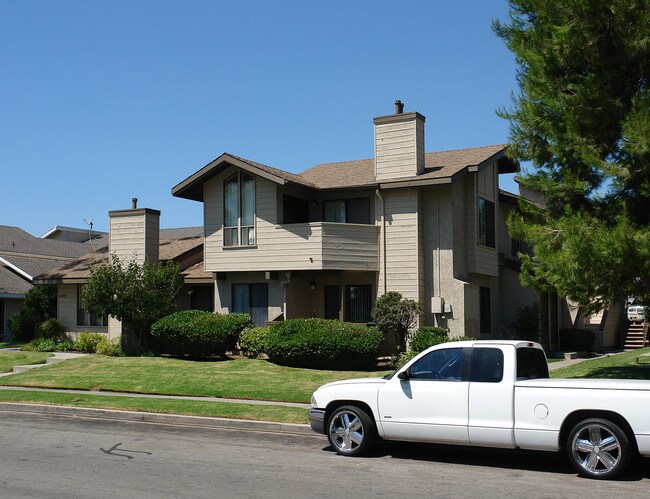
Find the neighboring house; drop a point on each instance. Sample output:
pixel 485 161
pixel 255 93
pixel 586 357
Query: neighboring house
pixel 134 234
pixel 327 242
pixel 63 233
pixel 22 257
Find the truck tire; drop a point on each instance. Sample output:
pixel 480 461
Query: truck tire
pixel 598 448
pixel 350 431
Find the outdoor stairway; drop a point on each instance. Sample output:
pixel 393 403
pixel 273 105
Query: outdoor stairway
pixel 636 336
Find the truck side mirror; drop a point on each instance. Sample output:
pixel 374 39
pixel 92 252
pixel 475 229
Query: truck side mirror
pixel 406 374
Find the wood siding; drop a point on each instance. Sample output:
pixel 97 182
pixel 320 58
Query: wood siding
pixel 67 311
pixel 305 246
pixel 135 237
pixel 403 249
pixel 480 259
pixel 399 149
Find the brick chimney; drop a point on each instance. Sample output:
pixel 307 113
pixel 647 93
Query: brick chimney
pixel 135 234
pixel 399 144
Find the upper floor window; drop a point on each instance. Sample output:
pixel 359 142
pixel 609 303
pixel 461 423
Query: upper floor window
pixel 351 211
pixel 239 210
pixel 486 229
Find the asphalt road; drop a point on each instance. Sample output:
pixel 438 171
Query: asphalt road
pixel 58 456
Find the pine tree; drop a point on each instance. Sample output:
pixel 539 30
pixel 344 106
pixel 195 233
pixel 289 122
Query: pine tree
pixel 582 118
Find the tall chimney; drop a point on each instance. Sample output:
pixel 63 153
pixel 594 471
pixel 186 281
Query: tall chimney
pixel 399 144
pixel 134 234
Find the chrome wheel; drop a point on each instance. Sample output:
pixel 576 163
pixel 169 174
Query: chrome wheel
pixel 598 448
pixel 350 430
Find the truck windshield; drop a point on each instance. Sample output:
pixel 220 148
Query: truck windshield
pixel 531 364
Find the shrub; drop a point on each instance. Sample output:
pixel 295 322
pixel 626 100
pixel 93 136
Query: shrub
pixel 111 348
pixel 323 344
pixel 403 358
pixel 252 341
pixel 200 334
pixel 87 342
pixel 51 328
pixel 426 337
pixel 22 325
pixel 393 314
pixel 40 345
pixel 581 340
pixel 66 346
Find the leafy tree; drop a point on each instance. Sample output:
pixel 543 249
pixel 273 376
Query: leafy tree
pixel 137 295
pixel 395 315
pixel 582 118
pixel 40 305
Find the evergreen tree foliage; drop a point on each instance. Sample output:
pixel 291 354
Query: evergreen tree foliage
pixel 582 118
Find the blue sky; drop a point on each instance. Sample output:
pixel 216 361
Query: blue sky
pixel 102 101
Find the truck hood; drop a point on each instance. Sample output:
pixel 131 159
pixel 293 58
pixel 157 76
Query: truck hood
pixel 355 381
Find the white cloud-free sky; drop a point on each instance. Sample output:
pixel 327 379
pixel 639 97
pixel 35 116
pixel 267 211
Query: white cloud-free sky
pixel 102 101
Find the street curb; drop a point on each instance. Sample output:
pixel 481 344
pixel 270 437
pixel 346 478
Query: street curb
pixel 152 417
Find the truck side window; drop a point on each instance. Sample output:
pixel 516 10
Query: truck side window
pixel 439 365
pixel 487 365
pixel 531 364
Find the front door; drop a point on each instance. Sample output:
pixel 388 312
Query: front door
pixel 432 404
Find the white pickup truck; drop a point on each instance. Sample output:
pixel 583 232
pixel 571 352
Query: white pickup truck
pixel 490 394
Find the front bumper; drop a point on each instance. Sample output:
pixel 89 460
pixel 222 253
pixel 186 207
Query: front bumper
pixel 317 420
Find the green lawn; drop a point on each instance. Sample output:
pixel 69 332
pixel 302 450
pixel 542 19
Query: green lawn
pixel 10 344
pixel 628 365
pixel 10 359
pixel 240 378
pixel 188 407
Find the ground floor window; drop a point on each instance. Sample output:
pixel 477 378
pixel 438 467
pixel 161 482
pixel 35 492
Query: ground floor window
pixel 358 303
pixel 85 318
pixel 251 299
pixel 202 298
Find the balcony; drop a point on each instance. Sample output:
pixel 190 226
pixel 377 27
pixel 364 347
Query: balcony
pixel 304 246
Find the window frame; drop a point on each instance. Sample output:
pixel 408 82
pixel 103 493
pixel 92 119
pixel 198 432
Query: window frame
pixel 89 319
pixel 486 222
pixel 241 229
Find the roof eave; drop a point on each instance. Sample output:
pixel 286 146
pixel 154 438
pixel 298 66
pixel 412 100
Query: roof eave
pixel 504 163
pixel 191 187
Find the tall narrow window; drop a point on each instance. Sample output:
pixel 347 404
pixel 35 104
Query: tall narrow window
pixel 239 210
pixel 486 232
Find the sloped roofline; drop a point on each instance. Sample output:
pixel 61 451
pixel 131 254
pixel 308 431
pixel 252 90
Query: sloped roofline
pixel 192 186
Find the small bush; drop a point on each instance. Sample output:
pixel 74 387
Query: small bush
pixel 40 345
pixel 66 346
pixel 323 344
pixel 200 334
pixel 87 342
pixel 22 325
pixel 580 340
pixel 403 358
pixel 51 328
pixel 110 348
pixel 252 341
pixel 426 337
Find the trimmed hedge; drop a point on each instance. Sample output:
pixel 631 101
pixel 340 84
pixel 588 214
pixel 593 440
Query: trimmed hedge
pixel 426 337
pixel 323 344
pixel 200 334
pixel 580 340
pixel 252 341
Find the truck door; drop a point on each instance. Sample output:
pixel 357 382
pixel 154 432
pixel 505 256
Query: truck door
pixel 431 403
pixel 491 396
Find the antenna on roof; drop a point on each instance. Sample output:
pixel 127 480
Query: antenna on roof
pixel 90 224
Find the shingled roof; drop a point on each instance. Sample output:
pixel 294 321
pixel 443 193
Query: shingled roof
pixel 440 167
pixel 79 270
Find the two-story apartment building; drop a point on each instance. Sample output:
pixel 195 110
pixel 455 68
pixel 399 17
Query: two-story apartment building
pixel 328 241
